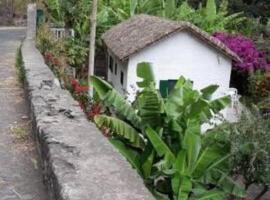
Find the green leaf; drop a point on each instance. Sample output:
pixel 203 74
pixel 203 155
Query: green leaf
pixel 122 107
pixel 133 6
pixel 132 156
pixel 184 188
pixel 192 144
pixel 208 157
pixel 101 86
pixel 145 71
pixel 211 195
pixel 159 145
pixel 207 92
pixel 147 159
pixel 229 185
pixel 170 7
pixel 112 98
pixel 211 10
pixel 219 104
pixel 121 128
pixel 150 106
pixel 180 162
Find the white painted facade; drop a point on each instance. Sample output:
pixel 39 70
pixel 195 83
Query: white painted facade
pixel 115 70
pixel 180 54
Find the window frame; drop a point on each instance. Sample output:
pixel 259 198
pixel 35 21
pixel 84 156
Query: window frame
pixel 111 63
pixel 122 78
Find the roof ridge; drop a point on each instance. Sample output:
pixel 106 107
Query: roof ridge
pixel 142 30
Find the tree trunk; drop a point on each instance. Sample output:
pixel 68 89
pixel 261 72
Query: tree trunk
pixel 92 43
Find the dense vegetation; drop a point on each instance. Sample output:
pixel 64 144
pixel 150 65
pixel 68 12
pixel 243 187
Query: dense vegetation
pixel 161 137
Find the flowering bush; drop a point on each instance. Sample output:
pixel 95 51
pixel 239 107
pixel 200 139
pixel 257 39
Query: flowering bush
pixel 52 60
pixel 80 93
pixel 245 48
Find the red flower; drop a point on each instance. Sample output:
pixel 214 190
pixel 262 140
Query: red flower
pixel 81 105
pixel 81 89
pixel 96 109
pixel 56 62
pixel 74 83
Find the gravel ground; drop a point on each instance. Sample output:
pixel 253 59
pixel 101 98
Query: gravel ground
pixel 20 174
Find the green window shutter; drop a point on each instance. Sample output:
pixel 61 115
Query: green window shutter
pixel 163 88
pixel 40 17
pixel 171 84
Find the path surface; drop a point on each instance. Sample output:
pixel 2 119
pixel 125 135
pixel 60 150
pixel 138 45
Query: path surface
pixel 20 176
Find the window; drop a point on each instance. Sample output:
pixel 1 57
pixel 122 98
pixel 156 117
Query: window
pixel 122 78
pixel 166 86
pixel 111 64
pixel 115 68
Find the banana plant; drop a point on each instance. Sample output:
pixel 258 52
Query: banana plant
pixel 195 172
pixel 161 137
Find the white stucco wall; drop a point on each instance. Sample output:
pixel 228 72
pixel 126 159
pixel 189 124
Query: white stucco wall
pixel 183 54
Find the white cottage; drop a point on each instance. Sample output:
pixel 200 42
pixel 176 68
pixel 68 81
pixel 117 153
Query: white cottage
pixel 173 48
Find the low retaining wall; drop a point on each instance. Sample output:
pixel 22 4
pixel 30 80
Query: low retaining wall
pixel 78 161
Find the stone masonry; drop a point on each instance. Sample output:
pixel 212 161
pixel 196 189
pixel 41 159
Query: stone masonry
pixel 78 161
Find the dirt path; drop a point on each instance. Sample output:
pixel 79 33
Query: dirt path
pixel 20 176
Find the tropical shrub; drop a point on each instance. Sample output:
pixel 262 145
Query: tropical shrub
pixel 162 138
pixel 250 148
pixel 76 53
pixel 245 48
pixel 45 39
pixel 259 84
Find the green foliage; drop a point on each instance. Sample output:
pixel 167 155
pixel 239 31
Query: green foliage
pixel 259 85
pixel 251 148
pixel 76 52
pixel 174 161
pixel 211 18
pixel 45 40
pixel 122 129
pixel 20 66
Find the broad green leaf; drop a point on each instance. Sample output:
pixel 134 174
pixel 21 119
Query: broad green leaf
pixel 181 96
pixel 133 6
pixel 170 7
pixel 145 71
pixel 132 156
pixel 147 159
pixel 208 156
pixel 121 128
pixel 192 144
pixel 229 185
pixel 100 86
pixel 159 145
pixel 211 195
pixel 122 107
pixel 207 92
pixel 180 162
pixel 184 188
pixel 220 103
pixel 211 10
pixel 151 108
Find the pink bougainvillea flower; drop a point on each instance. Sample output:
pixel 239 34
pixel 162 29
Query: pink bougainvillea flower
pixel 245 48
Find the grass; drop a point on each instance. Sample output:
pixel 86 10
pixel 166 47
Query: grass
pixel 20 66
pixel 20 131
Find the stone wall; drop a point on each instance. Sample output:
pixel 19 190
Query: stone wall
pixel 78 161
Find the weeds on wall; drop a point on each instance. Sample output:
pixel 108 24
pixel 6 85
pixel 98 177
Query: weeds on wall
pixel 20 66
